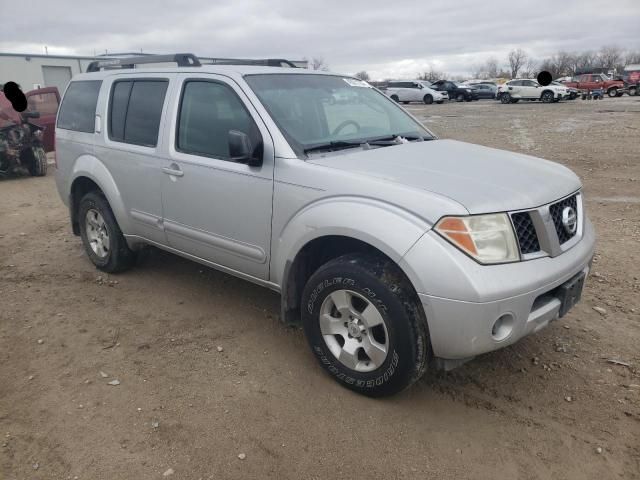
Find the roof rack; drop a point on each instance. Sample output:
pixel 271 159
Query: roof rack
pixel 267 62
pixel 181 59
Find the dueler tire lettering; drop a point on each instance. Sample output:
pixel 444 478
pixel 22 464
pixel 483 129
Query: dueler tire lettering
pixel 384 285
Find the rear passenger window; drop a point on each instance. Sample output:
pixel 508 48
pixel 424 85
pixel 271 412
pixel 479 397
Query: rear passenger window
pixel 135 111
pixel 208 111
pixel 78 109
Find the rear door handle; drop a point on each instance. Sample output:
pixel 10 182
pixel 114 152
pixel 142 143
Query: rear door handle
pixel 173 170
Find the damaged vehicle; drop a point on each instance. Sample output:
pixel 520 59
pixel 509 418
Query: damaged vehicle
pixel 22 136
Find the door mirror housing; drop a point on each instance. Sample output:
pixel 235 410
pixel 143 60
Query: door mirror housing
pixel 241 150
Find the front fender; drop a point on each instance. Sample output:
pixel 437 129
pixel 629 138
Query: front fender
pixel 390 229
pixel 90 167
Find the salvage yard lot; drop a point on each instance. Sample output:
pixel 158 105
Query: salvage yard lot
pixel 562 404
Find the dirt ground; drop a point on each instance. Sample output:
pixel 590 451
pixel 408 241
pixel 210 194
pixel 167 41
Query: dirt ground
pixel 550 407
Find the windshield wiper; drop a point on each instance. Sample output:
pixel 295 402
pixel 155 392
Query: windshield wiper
pixel 378 142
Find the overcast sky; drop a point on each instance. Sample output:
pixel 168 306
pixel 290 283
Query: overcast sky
pixel 387 38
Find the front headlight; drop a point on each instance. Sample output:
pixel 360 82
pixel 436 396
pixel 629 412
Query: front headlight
pixel 486 238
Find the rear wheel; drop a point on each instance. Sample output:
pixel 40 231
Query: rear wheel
pixel 365 325
pixel 395 98
pixel 101 236
pixel 459 97
pixel 428 99
pixel 633 91
pixel 36 161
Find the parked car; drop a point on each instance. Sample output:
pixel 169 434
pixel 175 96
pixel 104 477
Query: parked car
pixel 406 91
pixel 524 89
pixel 573 92
pixel 393 249
pixel 631 78
pixel 593 81
pixel 485 90
pixel 455 91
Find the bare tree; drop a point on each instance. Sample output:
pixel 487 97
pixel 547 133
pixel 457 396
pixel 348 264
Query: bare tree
pixel 363 75
pixel 491 67
pixel 316 63
pixel 610 57
pixel 529 68
pixel 432 75
pixel 517 58
pixel 632 57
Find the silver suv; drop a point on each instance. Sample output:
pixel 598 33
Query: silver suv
pixel 393 249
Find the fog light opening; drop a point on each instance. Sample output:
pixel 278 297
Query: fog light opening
pixel 502 327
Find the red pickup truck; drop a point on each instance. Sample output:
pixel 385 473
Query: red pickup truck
pixel 593 81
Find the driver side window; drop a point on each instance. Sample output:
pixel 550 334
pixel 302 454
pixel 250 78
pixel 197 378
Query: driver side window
pixel 208 111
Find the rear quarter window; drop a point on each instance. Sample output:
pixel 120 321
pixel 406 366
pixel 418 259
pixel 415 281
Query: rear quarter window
pixel 78 109
pixel 135 111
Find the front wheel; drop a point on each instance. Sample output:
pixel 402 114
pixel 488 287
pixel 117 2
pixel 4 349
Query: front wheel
pixel 505 98
pixel 428 99
pixel 395 98
pixel 101 236
pixel 365 325
pixel 612 92
pixel 460 97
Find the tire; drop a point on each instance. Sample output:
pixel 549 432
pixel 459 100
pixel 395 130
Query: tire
pixel 428 99
pixel 515 100
pixel 356 281
pixel 405 103
pixel 395 98
pixel 440 102
pixel 37 162
pixel 110 252
pixel 633 91
pixel 612 92
pixel 505 98
pixel 547 97
pixel 459 97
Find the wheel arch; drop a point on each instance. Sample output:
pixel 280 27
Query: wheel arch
pixel 89 174
pixel 302 248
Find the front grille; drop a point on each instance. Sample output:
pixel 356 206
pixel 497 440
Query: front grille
pixel 556 214
pixel 526 232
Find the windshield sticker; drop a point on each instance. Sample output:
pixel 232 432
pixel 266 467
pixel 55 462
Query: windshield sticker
pixel 356 83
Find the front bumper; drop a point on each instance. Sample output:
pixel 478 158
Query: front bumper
pixel 466 299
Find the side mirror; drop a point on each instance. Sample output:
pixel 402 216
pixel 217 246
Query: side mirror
pixel 26 115
pixel 241 150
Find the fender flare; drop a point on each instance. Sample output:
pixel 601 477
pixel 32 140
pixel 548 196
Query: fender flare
pixel 90 167
pixel 388 228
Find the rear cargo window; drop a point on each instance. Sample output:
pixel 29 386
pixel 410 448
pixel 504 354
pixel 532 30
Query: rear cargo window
pixel 135 111
pixel 78 109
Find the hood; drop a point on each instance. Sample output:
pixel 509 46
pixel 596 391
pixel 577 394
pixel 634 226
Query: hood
pixel 482 179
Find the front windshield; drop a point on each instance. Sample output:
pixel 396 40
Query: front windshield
pixel 313 110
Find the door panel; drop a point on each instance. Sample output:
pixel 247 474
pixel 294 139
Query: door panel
pixel 45 101
pixel 215 208
pixel 136 168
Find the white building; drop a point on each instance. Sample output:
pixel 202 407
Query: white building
pixel 32 71
pixel 35 71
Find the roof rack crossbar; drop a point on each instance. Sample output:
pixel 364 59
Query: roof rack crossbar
pixel 181 59
pixel 268 62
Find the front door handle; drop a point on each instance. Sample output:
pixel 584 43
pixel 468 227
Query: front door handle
pixel 173 170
